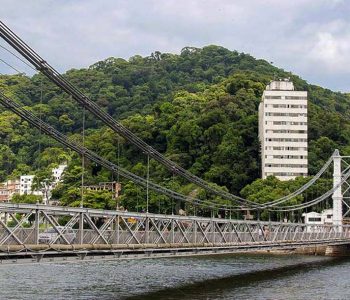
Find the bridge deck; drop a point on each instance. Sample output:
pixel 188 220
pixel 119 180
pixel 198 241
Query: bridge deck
pixel 51 232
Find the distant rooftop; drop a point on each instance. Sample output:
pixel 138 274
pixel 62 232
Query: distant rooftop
pixel 280 85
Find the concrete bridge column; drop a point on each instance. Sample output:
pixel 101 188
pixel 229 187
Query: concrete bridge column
pixel 36 227
pixel 81 229
pixel 147 230
pixel 337 194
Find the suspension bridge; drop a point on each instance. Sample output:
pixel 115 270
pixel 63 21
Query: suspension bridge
pixel 90 233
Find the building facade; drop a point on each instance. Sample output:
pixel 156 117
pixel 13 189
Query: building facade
pixel 4 194
pixel 113 186
pixel 57 174
pixel 26 184
pixel 8 189
pixel 283 131
pixel 323 218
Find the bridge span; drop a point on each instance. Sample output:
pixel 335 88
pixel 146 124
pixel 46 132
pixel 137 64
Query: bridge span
pixel 37 234
pixel 40 232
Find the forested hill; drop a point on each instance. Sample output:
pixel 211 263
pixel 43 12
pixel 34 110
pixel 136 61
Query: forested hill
pixel 199 108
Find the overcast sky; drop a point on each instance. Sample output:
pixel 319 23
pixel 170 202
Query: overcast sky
pixel 308 37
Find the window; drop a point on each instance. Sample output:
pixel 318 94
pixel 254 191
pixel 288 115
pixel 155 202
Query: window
pixel 290 157
pixel 286 165
pixel 288 123
pixel 287 131
pixel 277 114
pixel 288 174
pixel 273 97
pixel 295 98
pixel 314 219
pixel 285 140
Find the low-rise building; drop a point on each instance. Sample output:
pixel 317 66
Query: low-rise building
pixel 315 218
pixel 114 187
pixel 4 197
pixel 26 182
pixel 57 173
pixel 8 189
pixel 24 186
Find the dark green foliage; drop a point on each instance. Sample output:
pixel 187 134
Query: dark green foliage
pixel 199 108
pixel 269 189
pixel 31 199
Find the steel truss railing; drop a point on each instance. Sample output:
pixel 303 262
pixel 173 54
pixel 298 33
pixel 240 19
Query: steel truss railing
pixel 345 189
pixel 91 229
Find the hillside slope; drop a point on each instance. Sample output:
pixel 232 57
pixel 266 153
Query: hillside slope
pixel 199 108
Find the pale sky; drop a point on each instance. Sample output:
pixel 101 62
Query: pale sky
pixel 311 38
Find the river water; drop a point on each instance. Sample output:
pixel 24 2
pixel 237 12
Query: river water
pixel 206 277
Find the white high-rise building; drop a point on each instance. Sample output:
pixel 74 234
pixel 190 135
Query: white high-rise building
pixel 283 131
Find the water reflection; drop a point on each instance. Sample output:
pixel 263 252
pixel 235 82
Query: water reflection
pixel 210 277
pixel 247 285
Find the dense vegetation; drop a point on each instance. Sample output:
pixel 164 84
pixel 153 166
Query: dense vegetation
pixel 199 108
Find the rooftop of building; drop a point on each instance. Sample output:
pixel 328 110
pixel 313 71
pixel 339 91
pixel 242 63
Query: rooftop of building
pixel 280 85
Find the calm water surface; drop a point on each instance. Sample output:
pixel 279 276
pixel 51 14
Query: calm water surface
pixel 209 277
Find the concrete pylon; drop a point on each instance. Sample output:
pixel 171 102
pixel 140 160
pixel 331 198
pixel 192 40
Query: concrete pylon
pixel 337 194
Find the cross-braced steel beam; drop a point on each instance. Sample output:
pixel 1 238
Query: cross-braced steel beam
pixel 40 229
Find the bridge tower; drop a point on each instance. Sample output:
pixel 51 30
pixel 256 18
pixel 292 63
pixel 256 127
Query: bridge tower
pixel 337 194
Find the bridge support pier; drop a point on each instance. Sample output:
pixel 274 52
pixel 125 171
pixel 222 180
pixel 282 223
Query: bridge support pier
pixel 337 195
pixel 36 227
pixel 81 229
pixel 147 230
pixel 338 250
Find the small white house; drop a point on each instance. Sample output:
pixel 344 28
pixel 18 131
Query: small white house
pixel 313 219
pixel 327 216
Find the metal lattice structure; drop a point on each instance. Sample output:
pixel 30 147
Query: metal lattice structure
pixel 341 197
pixel 90 232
